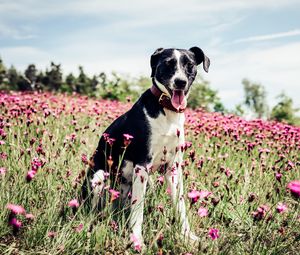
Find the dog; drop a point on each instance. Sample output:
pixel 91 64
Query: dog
pixel 154 131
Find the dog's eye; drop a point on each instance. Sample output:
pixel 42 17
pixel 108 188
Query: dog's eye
pixel 190 67
pixel 170 63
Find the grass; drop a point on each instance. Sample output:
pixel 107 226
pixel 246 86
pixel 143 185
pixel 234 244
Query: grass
pixel 228 156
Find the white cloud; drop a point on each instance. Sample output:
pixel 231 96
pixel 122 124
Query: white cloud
pixel 276 68
pixel 294 32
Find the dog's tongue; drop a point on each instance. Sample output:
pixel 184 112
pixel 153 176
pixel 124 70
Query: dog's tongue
pixel 178 99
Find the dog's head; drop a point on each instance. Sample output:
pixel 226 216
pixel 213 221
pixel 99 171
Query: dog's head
pixel 174 70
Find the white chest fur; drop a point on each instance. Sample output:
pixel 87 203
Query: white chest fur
pixel 167 134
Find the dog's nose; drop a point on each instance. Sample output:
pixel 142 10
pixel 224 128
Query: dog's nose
pixel 179 83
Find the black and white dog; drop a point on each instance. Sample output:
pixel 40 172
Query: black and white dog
pixel 156 122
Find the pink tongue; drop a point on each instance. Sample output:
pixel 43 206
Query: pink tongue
pixel 178 99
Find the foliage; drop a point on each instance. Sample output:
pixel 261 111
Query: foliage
pixel 107 86
pixel 255 98
pixel 246 165
pixel 284 110
pixel 203 96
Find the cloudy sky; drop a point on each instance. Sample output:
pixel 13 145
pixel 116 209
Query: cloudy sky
pixel 255 39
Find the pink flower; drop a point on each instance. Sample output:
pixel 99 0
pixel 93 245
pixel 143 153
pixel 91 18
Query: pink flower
pixel 127 136
pixel 73 203
pixel 84 158
pixel 29 216
pixel 294 187
pixel 127 139
pixel 160 179
pixel 15 209
pixel 30 175
pixel 278 176
pixel 78 228
pixel 261 212
pixel 2 170
pixel 114 194
pixel 281 208
pixel 136 242
pixel 51 234
pixel 202 212
pixel 213 233
pixel 16 224
pixel 195 195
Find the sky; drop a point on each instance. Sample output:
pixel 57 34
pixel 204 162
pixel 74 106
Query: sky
pixel 258 40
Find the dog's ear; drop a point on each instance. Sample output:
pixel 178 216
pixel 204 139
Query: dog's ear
pixel 154 59
pixel 200 57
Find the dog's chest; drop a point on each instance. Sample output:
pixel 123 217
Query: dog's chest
pixel 167 133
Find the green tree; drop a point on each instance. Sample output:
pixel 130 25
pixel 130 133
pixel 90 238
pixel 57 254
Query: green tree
pixel 203 96
pixel 2 72
pixel 31 75
pixel 83 83
pixel 13 78
pixel 255 98
pixel 284 110
pixel 53 78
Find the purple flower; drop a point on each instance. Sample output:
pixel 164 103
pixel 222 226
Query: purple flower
pixel 213 233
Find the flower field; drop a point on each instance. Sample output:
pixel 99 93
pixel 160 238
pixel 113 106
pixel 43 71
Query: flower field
pixel 242 183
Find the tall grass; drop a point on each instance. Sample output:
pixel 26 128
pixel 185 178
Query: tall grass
pixel 234 159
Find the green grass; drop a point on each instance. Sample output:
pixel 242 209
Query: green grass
pixel 48 194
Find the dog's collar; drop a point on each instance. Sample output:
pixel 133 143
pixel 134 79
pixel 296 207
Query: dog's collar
pixel 164 100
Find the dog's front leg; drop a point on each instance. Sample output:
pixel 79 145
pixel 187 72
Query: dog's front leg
pixel 139 183
pixel 175 183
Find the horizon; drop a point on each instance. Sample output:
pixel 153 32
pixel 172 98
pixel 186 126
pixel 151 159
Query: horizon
pixel 243 39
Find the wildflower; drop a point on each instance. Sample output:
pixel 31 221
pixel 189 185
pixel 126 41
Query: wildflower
pixel 213 233
pixel 195 195
pixel 16 224
pixel 161 179
pixel 15 209
pixel 294 187
pixel 227 172
pixel 114 194
pixel 281 208
pixel 84 158
pixel 136 243
pixel 29 216
pixel 127 139
pixel 110 161
pixel 202 212
pixel 73 203
pixel 51 234
pixel 261 212
pixel 2 170
pixel 78 228
pixel 278 176
pixel 30 175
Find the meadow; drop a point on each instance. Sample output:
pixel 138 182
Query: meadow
pixel 241 184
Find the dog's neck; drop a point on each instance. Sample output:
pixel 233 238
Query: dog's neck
pixel 164 99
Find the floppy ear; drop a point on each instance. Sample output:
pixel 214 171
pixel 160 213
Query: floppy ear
pixel 154 59
pixel 201 57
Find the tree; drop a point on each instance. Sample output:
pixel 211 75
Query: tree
pixel 2 72
pixel 284 110
pixel 203 96
pixel 70 83
pixel 31 75
pixel 83 85
pixel 255 98
pixel 53 78
pixel 13 78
